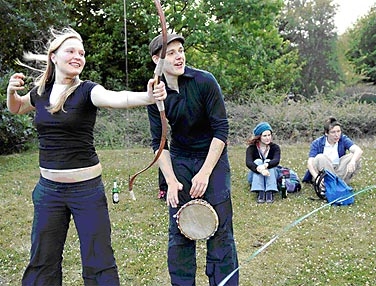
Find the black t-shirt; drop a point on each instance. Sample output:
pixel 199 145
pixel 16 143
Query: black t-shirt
pixel 66 137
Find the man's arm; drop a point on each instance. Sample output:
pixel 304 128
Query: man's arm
pixel 311 168
pixel 357 153
pixel 314 149
pixel 174 186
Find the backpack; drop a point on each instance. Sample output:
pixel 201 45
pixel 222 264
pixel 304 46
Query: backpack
pixel 292 180
pixel 335 189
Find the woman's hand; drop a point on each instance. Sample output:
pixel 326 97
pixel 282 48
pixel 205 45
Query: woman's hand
pixel 16 83
pixel 157 92
pixel 262 169
pixel 18 104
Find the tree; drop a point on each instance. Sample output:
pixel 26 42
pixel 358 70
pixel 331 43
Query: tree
pixel 243 54
pixel 22 23
pixel 238 41
pixel 362 46
pixel 309 25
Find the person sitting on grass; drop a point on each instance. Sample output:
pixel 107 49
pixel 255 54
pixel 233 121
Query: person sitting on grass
pixel 262 158
pixel 334 152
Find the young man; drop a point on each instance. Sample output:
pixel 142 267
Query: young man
pixel 195 164
pixel 334 152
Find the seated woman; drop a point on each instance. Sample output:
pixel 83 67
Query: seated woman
pixel 262 158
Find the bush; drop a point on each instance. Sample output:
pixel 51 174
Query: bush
pixel 291 121
pixel 301 121
pixel 122 128
pixel 16 132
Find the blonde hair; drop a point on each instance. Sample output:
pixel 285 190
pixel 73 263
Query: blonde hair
pixel 48 74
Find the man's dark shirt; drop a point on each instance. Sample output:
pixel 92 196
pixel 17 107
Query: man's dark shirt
pixel 196 114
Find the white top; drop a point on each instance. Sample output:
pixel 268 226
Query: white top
pixel 331 151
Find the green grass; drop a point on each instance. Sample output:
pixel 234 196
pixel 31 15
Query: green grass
pixel 334 246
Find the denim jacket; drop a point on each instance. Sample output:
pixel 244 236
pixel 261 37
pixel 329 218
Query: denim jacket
pixel 317 147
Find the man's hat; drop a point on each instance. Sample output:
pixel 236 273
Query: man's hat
pixel 156 44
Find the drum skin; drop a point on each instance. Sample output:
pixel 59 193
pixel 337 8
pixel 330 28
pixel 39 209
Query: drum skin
pixel 197 220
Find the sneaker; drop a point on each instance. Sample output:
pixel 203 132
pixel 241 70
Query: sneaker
pixel 162 194
pixel 261 197
pixel 269 197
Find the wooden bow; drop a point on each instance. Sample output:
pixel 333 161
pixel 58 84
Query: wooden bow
pixel 157 76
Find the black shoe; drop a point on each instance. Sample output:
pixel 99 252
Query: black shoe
pixel 261 197
pixel 269 197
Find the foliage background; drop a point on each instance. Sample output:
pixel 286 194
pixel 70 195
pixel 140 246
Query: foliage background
pixel 251 46
pixel 261 52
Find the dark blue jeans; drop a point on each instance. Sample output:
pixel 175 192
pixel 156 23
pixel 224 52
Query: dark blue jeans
pixel 221 258
pixel 54 204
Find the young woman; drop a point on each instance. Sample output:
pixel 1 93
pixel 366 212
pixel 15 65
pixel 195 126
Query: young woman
pixel 70 181
pixel 262 156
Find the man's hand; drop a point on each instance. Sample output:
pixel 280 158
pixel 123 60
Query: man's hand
pixel 351 167
pixel 172 194
pixel 199 184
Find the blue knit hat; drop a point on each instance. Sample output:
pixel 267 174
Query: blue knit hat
pixel 261 127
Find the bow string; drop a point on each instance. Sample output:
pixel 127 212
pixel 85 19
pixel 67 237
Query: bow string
pixel 157 76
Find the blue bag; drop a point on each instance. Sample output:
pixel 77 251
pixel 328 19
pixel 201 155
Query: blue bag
pixel 292 179
pixel 336 190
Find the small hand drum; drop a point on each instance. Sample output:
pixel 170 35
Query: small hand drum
pixel 197 220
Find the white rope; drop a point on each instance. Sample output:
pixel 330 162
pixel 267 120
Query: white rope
pixel 125 43
pixel 127 88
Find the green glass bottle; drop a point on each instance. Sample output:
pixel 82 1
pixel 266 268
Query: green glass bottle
pixel 283 188
pixel 115 193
